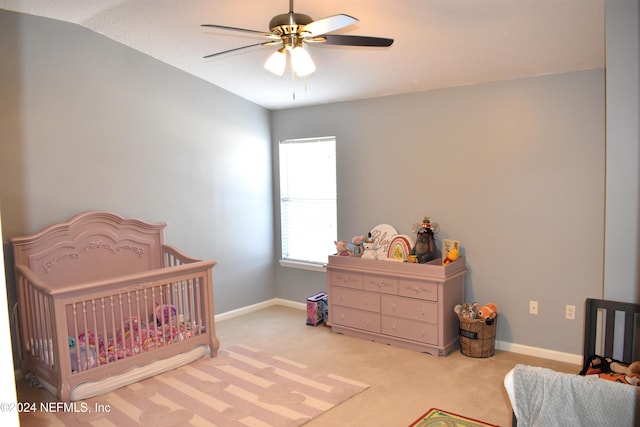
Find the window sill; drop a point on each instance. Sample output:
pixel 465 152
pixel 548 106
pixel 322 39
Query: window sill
pixel 303 265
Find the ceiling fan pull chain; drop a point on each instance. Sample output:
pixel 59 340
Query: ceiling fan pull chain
pixel 293 84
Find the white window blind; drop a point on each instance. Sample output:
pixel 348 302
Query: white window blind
pixel 308 199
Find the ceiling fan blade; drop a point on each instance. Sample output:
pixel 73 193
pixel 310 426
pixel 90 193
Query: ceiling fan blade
pixel 345 40
pixel 245 30
pixel 328 24
pixel 240 48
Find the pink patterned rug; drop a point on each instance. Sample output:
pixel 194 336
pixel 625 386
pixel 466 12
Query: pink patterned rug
pixel 241 387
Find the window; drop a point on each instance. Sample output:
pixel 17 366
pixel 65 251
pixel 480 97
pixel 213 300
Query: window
pixel 308 210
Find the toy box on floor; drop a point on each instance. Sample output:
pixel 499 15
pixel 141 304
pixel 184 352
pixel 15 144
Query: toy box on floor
pixel 317 309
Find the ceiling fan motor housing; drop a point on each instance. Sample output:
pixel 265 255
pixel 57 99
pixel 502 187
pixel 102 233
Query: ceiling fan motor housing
pixel 289 23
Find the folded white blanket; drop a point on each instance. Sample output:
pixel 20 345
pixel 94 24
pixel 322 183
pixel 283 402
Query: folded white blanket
pixel 543 397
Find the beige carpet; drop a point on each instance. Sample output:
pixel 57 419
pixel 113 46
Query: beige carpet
pixel 243 386
pixel 403 383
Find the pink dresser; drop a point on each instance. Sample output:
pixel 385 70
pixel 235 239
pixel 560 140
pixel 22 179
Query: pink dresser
pixel 402 304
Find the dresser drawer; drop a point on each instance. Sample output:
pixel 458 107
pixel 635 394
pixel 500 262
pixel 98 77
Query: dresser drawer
pixel 418 289
pixel 365 320
pixel 344 278
pixel 416 309
pixel 384 284
pixel 410 329
pixel 355 299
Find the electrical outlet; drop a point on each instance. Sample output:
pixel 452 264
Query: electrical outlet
pixel 570 312
pixel 533 307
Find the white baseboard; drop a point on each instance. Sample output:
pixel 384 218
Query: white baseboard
pixel 500 345
pixel 259 306
pixel 544 353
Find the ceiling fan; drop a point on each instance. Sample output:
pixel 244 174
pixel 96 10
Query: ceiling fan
pixel 292 30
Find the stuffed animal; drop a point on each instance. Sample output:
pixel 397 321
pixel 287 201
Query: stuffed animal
pixel 612 370
pixel 488 312
pixel 369 248
pixel 163 314
pixel 81 359
pixel 466 310
pixel 341 246
pixel 452 255
pixel 425 248
pixel 633 370
pixel 357 244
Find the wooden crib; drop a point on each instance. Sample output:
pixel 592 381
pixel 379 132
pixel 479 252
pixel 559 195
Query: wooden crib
pixel 103 303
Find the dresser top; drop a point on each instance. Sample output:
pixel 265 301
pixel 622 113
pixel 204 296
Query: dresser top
pixel 433 270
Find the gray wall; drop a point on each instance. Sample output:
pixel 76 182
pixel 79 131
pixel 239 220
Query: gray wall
pixel 87 123
pixel 514 170
pixel 622 279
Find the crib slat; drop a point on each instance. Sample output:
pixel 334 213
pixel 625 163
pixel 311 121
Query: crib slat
pixel 90 361
pixel 105 333
pixel 198 313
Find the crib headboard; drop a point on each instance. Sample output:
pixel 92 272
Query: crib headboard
pixel 91 246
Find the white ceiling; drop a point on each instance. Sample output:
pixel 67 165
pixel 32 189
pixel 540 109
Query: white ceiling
pixel 438 43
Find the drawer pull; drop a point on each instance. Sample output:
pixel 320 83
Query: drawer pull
pixel 393 307
pixel 382 284
pixel 346 279
pixel 418 289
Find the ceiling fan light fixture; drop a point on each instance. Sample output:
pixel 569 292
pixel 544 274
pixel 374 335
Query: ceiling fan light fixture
pixel 293 30
pixel 301 62
pixel 277 62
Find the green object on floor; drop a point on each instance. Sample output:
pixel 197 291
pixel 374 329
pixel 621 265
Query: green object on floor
pixel 439 418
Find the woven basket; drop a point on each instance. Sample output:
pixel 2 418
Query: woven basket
pixel 477 337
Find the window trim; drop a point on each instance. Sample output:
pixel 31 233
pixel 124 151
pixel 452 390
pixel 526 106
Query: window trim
pixel 303 265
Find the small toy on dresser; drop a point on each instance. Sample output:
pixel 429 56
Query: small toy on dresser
pixel 356 241
pixel 369 248
pixel 425 248
pixel 452 255
pixel 341 247
pixel 450 251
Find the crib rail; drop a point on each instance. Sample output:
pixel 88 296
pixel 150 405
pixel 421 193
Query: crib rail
pixel 37 320
pixel 173 257
pixel 78 333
